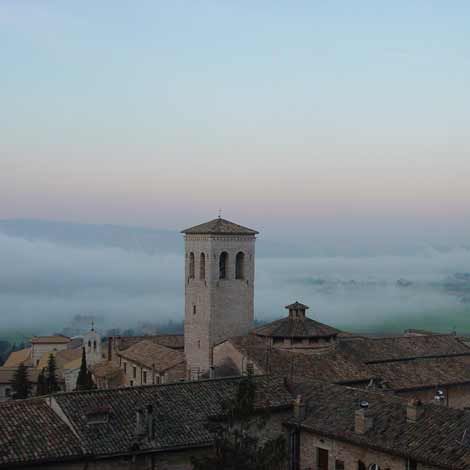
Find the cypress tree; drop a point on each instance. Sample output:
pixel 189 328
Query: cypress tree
pixel 51 375
pixel 20 383
pixel 84 379
pixel 41 388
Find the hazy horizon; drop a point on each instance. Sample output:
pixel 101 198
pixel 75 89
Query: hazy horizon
pixel 53 271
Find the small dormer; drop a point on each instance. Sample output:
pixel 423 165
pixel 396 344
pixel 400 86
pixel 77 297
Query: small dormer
pixel 297 311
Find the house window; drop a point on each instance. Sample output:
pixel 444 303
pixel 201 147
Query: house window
pixel 297 341
pixel 131 383
pixel 240 266
pixel 202 266
pixel 144 377
pixel 194 310
pixel 134 372
pixel 361 465
pixel 125 367
pixel 223 260
pixel 278 340
pixel 339 465
pixel 322 459
pixel 191 266
pixel 7 392
pixel 250 368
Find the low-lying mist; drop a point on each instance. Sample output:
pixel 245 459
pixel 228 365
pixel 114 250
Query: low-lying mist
pixel 44 284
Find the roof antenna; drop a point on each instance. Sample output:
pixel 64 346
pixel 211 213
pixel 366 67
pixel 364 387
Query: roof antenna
pixel 220 213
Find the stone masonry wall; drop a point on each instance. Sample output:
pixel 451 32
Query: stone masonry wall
pixel 216 309
pixel 347 453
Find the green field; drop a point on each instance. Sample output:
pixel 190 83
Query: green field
pixel 438 321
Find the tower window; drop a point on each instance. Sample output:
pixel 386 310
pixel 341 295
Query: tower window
pixel 191 265
pixel 94 345
pixel 194 310
pixel 202 266
pixel 223 261
pixel 240 266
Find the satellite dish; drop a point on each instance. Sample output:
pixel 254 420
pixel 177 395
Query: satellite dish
pixel 373 466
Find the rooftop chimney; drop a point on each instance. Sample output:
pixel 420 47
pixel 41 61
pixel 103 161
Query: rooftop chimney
pixel 299 408
pixel 297 311
pixel 363 420
pixel 414 409
pixel 144 423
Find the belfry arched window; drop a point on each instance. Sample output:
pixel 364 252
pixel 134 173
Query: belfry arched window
pixel 191 265
pixel 240 266
pixel 202 266
pixel 223 263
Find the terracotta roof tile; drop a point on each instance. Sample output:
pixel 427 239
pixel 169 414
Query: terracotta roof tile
pixel 330 366
pixel 370 350
pixel 297 328
pixel 17 357
pixel 181 412
pixel 31 432
pixel 150 354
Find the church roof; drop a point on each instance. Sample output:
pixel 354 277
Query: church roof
pixel 219 226
pixel 296 328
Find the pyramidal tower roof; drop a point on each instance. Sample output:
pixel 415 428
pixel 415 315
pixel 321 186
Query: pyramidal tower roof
pixel 219 226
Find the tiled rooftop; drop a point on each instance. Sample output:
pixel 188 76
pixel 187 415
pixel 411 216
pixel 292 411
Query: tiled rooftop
pixel 31 432
pixel 434 440
pixel 329 366
pixel 370 350
pixel 296 328
pixel 219 227
pixel 17 357
pixel 181 412
pixel 150 354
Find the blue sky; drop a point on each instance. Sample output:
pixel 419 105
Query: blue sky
pixel 352 116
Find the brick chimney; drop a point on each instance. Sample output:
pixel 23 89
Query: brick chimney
pixel 414 409
pixel 363 420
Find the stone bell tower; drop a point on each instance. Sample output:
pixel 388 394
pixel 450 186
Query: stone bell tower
pixel 219 288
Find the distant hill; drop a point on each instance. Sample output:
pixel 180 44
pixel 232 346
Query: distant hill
pixel 127 238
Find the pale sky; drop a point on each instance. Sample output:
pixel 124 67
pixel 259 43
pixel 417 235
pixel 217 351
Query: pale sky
pixel 336 118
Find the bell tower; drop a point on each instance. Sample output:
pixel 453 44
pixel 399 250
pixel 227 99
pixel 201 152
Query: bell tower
pixel 219 288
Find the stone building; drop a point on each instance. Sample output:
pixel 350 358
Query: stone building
pixel 147 362
pixel 41 345
pixel 219 288
pixel 344 428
